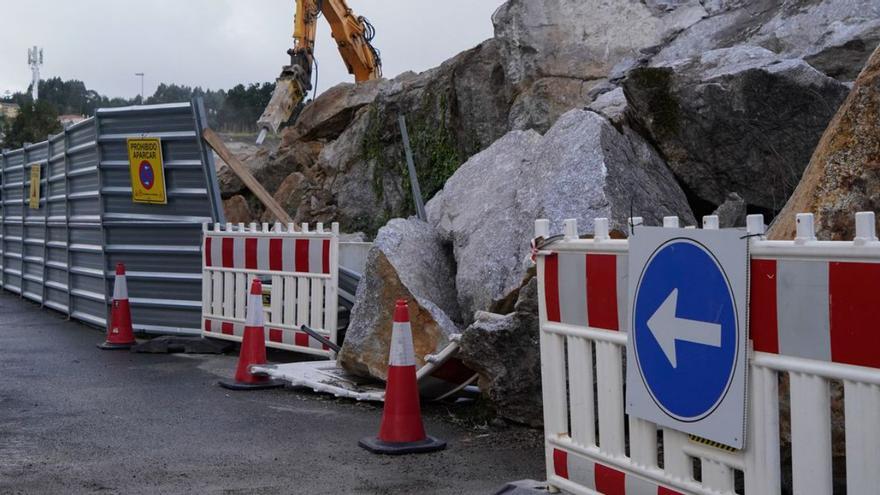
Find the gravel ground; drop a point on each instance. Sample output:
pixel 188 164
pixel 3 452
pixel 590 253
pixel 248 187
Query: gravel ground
pixel 74 419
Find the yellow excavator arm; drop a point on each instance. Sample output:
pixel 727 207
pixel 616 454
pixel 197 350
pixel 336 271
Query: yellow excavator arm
pixel 353 37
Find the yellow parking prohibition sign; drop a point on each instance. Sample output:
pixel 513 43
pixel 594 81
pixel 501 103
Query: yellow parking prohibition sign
pixel 147 171
pixel 35 187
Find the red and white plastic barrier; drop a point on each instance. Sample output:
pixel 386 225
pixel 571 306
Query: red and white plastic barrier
pixel 301 268
pixel 814 317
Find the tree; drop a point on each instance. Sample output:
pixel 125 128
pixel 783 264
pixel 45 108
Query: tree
pixel 34 123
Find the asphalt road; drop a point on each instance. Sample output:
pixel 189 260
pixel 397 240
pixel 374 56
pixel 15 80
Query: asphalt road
pixel 74 419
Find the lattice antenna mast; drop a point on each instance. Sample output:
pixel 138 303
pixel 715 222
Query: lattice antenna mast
pixel 35 60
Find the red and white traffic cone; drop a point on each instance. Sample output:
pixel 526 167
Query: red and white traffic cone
pixel 402 430
pixel 120 334
pixel 253 347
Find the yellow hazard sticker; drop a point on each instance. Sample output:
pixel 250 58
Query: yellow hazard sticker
pixel 34 198
pixel 147 171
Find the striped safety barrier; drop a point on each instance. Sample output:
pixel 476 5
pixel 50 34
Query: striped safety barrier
pixel 299 270
pixel 814 323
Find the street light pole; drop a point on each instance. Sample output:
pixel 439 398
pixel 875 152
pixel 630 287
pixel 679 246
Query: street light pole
pixel 141 75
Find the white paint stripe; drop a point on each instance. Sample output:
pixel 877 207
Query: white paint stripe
pixel 217 251
pixel 582 471
pixel 637 486
pixel 623 292
pixel 238 252
pixel 402 353
pixel 573 288
pixel 120 288
pixel 255 317
pixel 315 255
pixel 802 309
pixel 238 330
pixel 262 253
pixel 216 326
pixel 288 254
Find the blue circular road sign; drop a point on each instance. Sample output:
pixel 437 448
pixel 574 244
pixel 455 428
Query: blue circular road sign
pixel 684 332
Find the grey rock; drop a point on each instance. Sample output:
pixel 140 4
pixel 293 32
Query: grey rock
pixel 835 36
pixel 612 105
pixel 732 213
pixel 504 350
pixel 731 116
pixel 582 39
pixel 582 168
pixel 543 102
pixel 407 261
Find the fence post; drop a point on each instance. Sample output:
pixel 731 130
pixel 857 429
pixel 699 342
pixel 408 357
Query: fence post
pixel 633 223
pixel 806 230
pixel 670 222
pixel 866 229
pixel 755 225
pixel 711 222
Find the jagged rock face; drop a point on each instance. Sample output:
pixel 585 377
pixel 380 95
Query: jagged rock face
pixel 582 168
pixel 407 261
pixel 843 177
pixel 834 36
pixel 583 39
pixel 732 213
pixel 731 116
pixel 505 351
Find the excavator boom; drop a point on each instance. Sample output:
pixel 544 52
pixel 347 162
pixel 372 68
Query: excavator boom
pixel 353 37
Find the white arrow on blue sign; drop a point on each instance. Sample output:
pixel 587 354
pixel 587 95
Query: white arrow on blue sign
pixel 687 341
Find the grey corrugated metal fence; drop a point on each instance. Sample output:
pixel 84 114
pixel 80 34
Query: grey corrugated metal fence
pixel 62 254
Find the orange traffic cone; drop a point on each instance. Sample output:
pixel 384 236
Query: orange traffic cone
pixel 253 347
pixel 402 430
pixel 120 335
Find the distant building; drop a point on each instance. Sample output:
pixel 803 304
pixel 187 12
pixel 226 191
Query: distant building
pixel 70 119
pixel 9 110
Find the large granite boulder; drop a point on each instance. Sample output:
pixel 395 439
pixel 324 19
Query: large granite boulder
pixel 582 168
pixel 407 261
pixel 505 351
pixel 834 36
pixel 843 177
pixel 739 119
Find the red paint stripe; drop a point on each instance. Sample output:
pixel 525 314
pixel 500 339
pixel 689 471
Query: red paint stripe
pixel 228 250
pixel 207 325
pixel 662 490
pixel 208 251
pixel 551 287
pixel 560 463
pixel 275 335
pixel 762 306
pixel 302 255
pixel 301 339
pixel 325 257
pixel 453 371
pixel 610 481
pixel 602 291
pixel 854 299
pixel 250 253
pixel 227 328
pixel 275 253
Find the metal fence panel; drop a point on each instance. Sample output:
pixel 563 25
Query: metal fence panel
pixel 63 254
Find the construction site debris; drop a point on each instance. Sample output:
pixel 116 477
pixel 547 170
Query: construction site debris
pixel 407 261
pixel 505 352
pixel 844 174
pixel 582 168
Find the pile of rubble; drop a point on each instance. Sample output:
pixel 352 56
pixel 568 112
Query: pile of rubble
pixel 575 109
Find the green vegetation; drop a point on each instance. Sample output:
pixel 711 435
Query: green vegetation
pixel 233 110
pixel 434 148
pixel 34 124
pixel 662 104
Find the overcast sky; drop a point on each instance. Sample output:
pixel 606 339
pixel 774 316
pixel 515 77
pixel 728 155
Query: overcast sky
pixel 216 43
